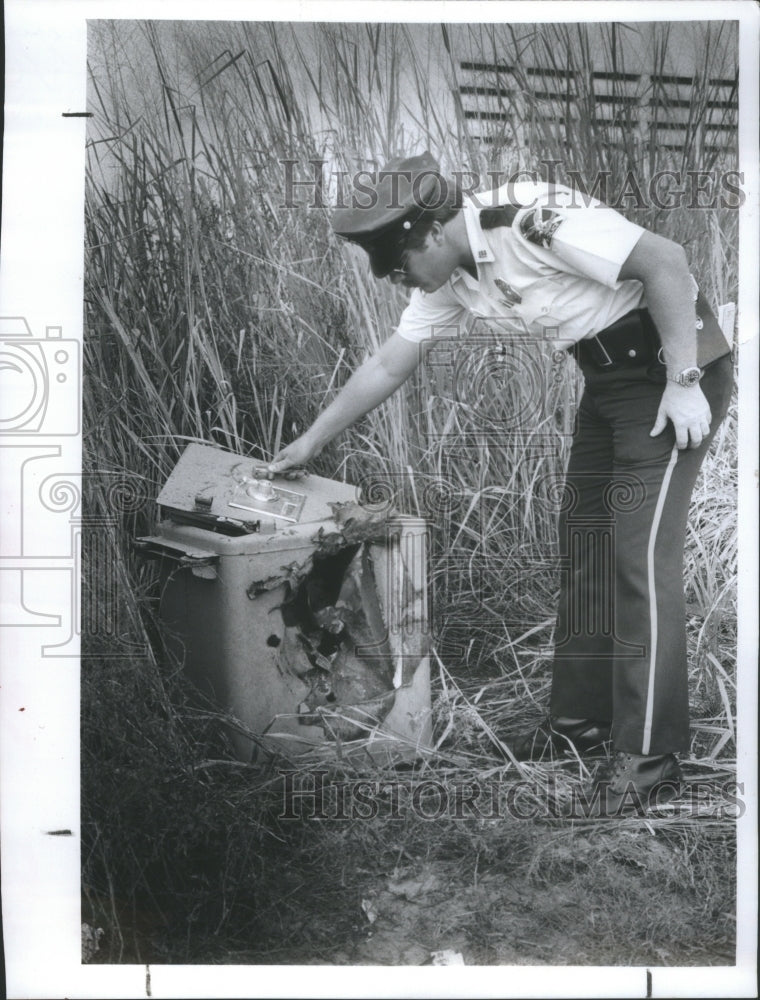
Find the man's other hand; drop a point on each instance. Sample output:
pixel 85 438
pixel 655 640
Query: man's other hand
pixel 688 411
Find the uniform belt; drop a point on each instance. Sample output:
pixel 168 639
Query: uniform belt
pixel 633 341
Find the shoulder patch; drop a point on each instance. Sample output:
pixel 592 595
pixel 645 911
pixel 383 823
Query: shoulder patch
pixel 540 224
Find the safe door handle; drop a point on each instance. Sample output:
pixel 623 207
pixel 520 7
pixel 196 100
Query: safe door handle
pixel 186 557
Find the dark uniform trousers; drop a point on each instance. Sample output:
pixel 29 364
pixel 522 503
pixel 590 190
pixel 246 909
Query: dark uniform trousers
pixel 620 645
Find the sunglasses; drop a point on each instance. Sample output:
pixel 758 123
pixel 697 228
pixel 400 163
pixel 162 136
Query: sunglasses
pixel 400 272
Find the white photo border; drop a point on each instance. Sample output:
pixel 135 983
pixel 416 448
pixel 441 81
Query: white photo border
pixel 41 281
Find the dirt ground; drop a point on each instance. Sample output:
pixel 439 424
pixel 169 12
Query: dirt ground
pixel 627 893
pixel 412 919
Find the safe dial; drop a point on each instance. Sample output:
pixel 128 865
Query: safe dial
pixel 262 489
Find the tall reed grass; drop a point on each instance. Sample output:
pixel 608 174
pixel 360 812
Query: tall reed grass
pixel 216 312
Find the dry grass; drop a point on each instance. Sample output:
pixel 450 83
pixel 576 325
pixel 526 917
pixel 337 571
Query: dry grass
pixel 216 314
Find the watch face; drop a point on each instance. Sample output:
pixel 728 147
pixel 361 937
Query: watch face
pixel 689 377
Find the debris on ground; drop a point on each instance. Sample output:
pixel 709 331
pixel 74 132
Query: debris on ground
pixel 446 957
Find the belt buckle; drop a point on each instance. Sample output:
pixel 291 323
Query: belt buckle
pixel 607 361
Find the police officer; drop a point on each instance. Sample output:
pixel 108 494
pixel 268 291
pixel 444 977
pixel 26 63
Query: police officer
pixel 658 377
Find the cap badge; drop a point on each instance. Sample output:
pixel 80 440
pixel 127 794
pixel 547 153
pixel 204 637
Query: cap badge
pixel 511 297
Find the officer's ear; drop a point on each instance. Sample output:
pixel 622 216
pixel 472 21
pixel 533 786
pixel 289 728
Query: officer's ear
pixel 436 232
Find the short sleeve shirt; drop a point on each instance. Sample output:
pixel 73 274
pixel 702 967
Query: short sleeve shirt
pixel 552 274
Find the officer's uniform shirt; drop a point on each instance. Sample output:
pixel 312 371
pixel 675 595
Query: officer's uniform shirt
pixel 551 274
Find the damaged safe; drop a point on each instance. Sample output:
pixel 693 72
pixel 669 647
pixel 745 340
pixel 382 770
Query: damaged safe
pixel 299 612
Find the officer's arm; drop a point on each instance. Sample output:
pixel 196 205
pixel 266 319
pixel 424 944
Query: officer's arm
pixel 662 268
pixel 370 384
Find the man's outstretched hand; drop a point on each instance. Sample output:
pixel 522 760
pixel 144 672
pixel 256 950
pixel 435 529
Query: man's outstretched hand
pixel 294 455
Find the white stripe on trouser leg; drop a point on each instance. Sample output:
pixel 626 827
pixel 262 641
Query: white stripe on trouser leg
pixel 653 598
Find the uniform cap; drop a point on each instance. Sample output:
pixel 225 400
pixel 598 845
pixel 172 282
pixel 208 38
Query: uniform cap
pixel 384 211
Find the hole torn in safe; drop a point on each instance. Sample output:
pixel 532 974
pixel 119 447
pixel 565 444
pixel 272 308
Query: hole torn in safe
pixel 336 641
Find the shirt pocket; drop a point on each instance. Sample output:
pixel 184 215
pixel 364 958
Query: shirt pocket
pixel 538 305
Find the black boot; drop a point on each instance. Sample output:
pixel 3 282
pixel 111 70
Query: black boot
pixel 558 736
pixel 631 784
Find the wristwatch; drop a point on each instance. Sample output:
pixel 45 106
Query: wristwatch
pixel 687 378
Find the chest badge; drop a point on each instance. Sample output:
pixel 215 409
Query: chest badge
pixel 511 296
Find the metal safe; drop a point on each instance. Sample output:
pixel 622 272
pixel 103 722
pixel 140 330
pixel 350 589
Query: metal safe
pixel 299 612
